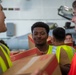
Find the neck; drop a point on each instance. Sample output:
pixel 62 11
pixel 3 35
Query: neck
pixel 43 48
pixel 59 43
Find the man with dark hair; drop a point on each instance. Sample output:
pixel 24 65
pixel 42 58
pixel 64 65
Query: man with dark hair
pixel 64 53
pixel 40 32
pixel 73 65
pixel 69 39
pixel 40 24
pixel 59 35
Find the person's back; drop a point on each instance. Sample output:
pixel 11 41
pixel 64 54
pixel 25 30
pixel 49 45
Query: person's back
pixel 64 53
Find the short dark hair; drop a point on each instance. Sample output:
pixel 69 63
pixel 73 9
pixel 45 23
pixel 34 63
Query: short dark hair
pixel 68 34
pixel 74 4
pixel 40 24
pixel 59 33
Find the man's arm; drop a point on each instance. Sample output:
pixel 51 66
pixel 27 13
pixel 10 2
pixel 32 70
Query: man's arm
pixel 65 69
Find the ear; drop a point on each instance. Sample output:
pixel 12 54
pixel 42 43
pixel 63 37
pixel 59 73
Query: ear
pixel 53 39
pixel 32 35
pixel 72 38
pixel 47 35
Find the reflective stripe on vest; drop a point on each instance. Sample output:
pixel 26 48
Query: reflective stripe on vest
pixel 68 49
pixel 2 62
pixel 6 48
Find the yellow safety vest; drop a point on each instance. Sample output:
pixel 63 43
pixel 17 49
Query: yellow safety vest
pixel 69 50
pixel 7 55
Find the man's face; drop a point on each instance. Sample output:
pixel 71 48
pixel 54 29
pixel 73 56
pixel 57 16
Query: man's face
pixel 74 16
pixel 68 39
pixel 2 19
pixel 40 36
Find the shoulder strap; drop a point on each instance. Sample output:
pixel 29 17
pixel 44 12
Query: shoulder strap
pixel 5 48
pixel 58 53
pixel 2 54
pixel 49 50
